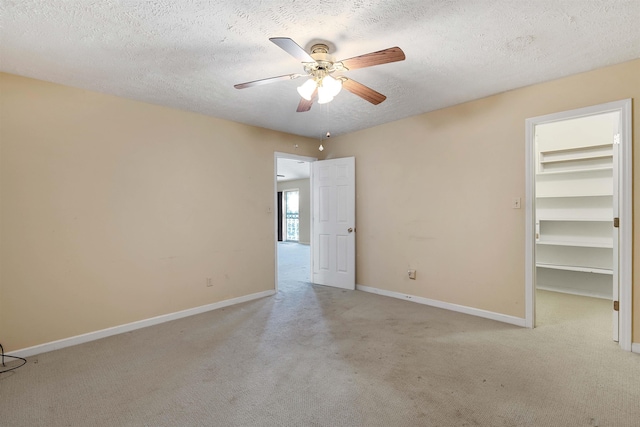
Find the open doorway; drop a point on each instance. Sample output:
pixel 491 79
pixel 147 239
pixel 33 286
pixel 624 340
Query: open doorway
pixel 575 236
pixel 579 220
pixel 293 220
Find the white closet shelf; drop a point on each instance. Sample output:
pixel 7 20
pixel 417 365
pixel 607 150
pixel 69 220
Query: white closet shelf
pixel 581 152
pixel 583 219
pixel 568 171
pixel 577 268
pixel 575 244
pixel 573 159
pixel 565 196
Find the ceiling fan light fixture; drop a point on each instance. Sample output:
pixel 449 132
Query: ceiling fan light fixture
pixel 333 86
pixel 324 95
pixel 307 89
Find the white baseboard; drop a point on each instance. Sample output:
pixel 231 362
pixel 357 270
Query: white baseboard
pixel 635 347
pixel 447 306
pixel 103 333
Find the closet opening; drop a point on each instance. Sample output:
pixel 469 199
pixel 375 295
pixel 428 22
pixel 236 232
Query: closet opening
pixel 578 192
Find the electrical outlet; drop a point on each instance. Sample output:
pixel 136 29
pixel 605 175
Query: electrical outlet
pixel 209 282
pixel 412 274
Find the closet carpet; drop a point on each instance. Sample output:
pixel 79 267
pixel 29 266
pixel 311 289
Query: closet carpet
pixel 318 356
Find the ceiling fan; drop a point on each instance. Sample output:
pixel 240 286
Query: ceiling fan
pixel 319 67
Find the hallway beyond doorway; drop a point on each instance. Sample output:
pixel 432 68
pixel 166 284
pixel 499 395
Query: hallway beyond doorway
pixel 294 264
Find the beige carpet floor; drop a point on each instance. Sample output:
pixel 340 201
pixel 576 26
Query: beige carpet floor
pixel 318 356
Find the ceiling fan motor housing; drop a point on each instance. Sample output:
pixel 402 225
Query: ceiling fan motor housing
pixel 324 63
pixel 319 48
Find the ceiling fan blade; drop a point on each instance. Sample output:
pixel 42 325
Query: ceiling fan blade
pixel 292 48
pixel 363 91
pixel 305 105
pixel 266 81
pixel 385 56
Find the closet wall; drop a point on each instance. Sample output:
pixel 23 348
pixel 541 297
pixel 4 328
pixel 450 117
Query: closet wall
pixel 574 205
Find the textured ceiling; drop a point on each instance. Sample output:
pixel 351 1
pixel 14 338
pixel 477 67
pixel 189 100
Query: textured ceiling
pixel 290 169
pixel 188 54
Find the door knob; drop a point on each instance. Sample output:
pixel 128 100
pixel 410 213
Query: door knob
pixel 350 230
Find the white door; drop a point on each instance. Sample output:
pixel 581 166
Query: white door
pixel 333 240
pixel 615 231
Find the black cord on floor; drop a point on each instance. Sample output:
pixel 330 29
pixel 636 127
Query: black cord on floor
pixel 24 361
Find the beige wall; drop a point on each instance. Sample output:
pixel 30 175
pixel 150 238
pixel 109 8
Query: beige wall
pixel 115 211
pixel 434 192
pixel 304 194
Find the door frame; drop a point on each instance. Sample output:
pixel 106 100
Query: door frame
pixel 279 155
pixel 625 197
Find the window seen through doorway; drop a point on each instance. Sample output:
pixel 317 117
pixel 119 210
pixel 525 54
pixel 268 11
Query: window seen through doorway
pixel 292 215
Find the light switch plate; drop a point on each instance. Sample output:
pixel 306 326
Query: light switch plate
pixel 515 203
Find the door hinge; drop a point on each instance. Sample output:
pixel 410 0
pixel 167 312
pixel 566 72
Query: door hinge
pixel 616 222
pixel 616 306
